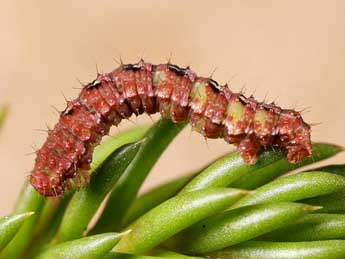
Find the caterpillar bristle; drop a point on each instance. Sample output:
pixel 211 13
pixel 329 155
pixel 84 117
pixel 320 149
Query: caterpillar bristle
pixel 314 124
pixel 56 109
pixel 213 72
pixel 169 58
pixel 64 96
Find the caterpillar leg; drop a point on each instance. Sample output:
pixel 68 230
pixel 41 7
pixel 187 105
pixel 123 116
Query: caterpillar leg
pixel 248 148
pixel 85 177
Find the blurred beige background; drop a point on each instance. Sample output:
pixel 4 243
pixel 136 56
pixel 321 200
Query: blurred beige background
pixel 293 51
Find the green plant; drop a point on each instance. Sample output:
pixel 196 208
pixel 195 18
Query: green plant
pixel 229 209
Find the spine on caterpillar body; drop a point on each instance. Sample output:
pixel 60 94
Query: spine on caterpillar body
pixel 213 110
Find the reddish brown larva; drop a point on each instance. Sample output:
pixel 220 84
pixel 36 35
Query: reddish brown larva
pixel 213 110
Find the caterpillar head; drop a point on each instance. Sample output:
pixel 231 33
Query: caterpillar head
pixel 45 184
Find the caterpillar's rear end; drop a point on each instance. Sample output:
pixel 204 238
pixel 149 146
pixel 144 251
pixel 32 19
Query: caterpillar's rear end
pixel 213 110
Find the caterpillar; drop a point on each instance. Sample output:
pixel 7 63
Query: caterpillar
pixel 177 93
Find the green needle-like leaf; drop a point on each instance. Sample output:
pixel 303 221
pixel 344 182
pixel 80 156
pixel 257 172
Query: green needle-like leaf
pixel 229 168
pixel 48 224
pixel 155 197
pixel 174 215
pixel 330 249
pixel 311 228
pixel 335 169
pixel 236 226
pixel 330 203
pixel 156 141
pixel 114 142
pixel 295 187
pixel 167 253
pixel 112 162
pixel 85 203
pixel 113 255
pixel 29 200
pixel 10 225
pixel 92 247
